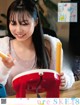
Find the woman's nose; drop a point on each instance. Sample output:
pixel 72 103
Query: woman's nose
pixel 19 29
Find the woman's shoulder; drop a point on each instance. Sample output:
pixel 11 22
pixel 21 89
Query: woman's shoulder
pixel 51 39
pixel 6 38
pixel 50 42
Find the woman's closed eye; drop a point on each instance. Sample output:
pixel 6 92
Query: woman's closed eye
pixel 21 23
pixel 13 22
pixel 24 23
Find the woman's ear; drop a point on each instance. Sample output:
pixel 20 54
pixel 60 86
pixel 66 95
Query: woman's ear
pixel 36 22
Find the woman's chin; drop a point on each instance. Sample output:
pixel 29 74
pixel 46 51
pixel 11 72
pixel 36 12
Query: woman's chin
pixel 20 39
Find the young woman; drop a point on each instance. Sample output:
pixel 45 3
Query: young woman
pixel 27 46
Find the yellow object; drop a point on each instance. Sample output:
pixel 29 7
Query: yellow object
pixel 58 56
pixel 3 55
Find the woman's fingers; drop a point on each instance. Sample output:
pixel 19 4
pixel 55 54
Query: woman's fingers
pixel 8 61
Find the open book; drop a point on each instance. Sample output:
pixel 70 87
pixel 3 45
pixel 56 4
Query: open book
pixel 38 81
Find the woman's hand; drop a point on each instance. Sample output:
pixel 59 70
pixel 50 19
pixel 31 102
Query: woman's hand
pixel 63 80
pixel 8 61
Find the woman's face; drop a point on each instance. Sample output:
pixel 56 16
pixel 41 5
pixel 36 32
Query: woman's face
pixel 22 28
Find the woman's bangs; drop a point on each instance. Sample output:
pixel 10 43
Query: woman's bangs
pixel 12 16
pixel 21 16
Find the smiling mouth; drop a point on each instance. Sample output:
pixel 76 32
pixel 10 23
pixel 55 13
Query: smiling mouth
pixel 20 36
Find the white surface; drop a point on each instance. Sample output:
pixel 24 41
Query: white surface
pixel 40 71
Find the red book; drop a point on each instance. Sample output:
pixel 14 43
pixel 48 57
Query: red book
pixel 38 80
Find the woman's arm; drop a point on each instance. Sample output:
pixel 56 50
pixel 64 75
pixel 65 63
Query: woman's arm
pixel 5 66
pixel 67 76
pixel 4 69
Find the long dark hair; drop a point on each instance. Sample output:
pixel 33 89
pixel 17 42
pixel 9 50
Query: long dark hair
pixel 22 6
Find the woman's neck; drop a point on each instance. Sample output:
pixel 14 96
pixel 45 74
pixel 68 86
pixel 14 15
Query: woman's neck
pixel 27 44
pixel 24 50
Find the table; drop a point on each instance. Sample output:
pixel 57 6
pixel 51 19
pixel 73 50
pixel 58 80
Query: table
pixel 74 91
